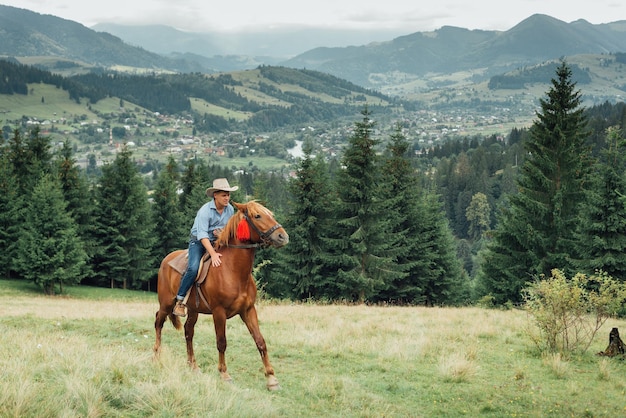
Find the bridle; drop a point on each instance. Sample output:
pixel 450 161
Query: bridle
pixel 265 236
pixel 265 242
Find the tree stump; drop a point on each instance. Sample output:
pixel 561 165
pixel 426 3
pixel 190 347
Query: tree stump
pixel 616 345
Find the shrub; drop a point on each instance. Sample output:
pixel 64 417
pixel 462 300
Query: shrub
pixel 568 313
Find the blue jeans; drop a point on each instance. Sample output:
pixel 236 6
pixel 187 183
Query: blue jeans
pixel 196 251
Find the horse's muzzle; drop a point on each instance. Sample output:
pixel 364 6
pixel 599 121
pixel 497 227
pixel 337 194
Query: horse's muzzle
pixel 280 239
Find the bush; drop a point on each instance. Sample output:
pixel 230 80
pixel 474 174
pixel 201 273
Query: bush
pixel 568 313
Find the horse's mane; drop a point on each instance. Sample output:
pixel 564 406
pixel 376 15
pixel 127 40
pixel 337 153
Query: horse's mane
pixel 230 230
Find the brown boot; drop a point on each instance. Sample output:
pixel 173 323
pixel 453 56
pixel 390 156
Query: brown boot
pixel 180 309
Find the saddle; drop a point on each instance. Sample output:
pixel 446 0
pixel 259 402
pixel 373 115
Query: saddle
pixel 180 265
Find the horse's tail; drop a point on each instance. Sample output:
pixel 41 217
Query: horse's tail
pixel 175 321
pixel 167 286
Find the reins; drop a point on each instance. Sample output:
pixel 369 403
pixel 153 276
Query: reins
pixel 244 246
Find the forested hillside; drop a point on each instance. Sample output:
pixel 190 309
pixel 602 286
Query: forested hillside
pixel 377 223
pixel 272 97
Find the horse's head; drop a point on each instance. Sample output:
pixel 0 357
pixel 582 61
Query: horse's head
pixel 253 223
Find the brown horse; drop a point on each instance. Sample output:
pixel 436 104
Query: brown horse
pixel 227 290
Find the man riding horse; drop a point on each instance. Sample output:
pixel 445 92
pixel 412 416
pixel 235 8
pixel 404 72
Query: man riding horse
pixel 210 220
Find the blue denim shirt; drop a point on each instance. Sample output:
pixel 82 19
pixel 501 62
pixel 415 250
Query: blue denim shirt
pixel 209 219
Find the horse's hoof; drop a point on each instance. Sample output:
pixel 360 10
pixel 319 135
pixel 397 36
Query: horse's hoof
pixel 272 383
pixel 226 378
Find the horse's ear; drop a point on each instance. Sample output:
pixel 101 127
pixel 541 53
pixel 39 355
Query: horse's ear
pixel 239 206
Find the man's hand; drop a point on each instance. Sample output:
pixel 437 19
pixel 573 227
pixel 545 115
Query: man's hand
pixel 216 260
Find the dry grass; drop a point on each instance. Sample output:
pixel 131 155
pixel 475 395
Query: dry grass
pixel 64 308
pixel 78 357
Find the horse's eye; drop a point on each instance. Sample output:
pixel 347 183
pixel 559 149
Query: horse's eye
pixel 257 216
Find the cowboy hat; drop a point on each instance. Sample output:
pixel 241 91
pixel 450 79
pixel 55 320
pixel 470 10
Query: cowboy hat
pixel 220 185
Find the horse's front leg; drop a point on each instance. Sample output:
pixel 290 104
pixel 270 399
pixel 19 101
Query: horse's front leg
pixel 190 323
pixel 251 320
pixel 219 321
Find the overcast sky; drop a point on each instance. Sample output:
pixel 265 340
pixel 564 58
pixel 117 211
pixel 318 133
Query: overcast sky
pixel 405 16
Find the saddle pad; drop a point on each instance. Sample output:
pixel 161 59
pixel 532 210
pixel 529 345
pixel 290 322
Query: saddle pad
pixel 180 265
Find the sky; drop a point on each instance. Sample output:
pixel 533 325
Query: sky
pixel 403 16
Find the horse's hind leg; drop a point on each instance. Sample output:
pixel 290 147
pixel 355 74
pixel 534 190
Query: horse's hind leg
pixel 159 320
pixel 252 322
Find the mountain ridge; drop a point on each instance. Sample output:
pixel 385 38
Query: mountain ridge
pixel 451 49
pixel 378 65
pixel 26 33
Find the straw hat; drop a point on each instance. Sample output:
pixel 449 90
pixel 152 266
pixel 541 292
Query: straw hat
pixel 220 185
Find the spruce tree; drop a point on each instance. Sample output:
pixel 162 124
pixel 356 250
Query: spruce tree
pixel 79 199
pixel 30 157
pixel 365 254
pixel 535 234
pixel 300 270
pixel 173 230
pixel 478 214
pixel 418 230
pixel 124 230
pixel 39 150
pixel 271 190
pixel 194 201
pixel 189 180
pixel 50 251
pixel 439 268
pixel 601 243
pixel 401 192
pixel 11 216
pixel 17 154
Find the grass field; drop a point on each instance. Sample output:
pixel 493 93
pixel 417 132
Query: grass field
pixel 89 354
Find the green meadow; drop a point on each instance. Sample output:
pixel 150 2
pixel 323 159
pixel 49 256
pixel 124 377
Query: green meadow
pixel 88 353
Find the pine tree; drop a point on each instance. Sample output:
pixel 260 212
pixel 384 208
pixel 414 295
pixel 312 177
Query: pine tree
pixel 11 218
pixel 438 268
pixel 17 154
pixel 50 251
pixel 271 190
pixel 189 180
pixel 401 192
pixel 601 242
pixel 173 230
pixel 39 152
pixel 424 244
pixel 536 232
pixel 478 214
pixel 124 231
pixel 30 158
pixel 365 255
pixel 194 201
pixel 300 271
pixel 79 199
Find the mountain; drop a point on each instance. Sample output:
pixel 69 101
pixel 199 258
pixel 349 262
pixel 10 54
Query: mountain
pixel 451 49
pixel 264 99
pixel 277 43
pixel 25 34
pixel 405 64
